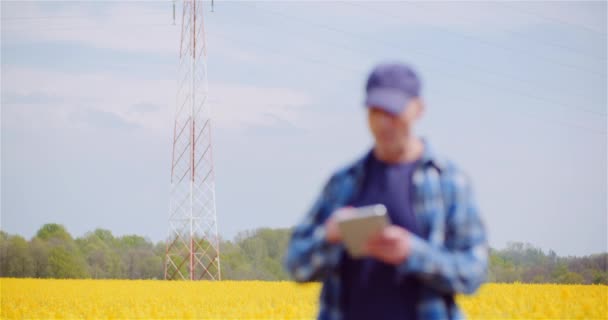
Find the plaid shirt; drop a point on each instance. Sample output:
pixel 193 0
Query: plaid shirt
pixel 450 258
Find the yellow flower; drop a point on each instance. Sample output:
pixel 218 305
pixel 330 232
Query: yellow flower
pixel 156 299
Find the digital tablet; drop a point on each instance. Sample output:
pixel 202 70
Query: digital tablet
pixel 357 228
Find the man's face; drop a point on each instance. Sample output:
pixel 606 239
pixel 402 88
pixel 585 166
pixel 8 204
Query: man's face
pixel 391 132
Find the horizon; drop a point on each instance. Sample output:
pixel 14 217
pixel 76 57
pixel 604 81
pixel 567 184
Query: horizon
pixel 246 231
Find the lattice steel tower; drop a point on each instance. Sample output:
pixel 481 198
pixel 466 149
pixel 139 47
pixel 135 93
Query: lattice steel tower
pixel 192 243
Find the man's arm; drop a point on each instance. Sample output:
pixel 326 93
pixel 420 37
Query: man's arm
pixel 460 265
pixel 310 257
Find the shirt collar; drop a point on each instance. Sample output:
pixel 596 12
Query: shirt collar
pixel 428 158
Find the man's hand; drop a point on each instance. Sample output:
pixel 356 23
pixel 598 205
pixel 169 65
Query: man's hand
pixel 332 234
pixel 391 245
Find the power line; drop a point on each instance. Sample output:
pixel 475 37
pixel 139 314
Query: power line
pixel 359 36
pixel 350 70
pixel 410 49
pixel 30 23
pixel 459 77
pixel 554 19
pixel 91 27
pixel 41 18
pixel 483 41
pixel 325 63
pixel 573 125
pixel 276 52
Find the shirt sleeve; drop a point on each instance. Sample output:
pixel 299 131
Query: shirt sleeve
pixel 460 264
pixel 309 256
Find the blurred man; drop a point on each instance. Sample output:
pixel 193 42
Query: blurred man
pixel 435 246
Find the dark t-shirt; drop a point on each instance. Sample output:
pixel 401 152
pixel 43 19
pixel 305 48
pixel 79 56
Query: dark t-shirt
pixel 371 289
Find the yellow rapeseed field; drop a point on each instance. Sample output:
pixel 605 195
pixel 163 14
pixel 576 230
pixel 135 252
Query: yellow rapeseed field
pixel 150 299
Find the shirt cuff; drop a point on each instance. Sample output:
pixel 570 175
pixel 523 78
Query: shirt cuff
pixel 417 260
pixel 330 254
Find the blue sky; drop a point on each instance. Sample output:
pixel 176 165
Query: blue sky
pixel 515 93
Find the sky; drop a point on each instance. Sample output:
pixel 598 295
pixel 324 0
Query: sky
pixel 515 93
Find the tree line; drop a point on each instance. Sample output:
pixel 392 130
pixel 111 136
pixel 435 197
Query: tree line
pixel 251 255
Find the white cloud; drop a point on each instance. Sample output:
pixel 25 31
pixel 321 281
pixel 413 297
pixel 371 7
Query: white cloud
pixel 101 91
pixel 238 105
pixel 141 27
pixel 233 105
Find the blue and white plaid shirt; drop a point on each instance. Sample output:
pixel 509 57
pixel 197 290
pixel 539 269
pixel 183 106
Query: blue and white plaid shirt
pixel 451 258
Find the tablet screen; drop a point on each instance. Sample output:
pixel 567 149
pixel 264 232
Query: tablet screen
pixel 360 226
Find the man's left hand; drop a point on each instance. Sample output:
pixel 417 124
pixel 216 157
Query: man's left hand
pixel 391 245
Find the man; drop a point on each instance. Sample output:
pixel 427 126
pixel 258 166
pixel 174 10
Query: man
pixel 436 245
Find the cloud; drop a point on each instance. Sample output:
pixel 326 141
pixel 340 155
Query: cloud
pixel 101 119
pixel 29 98
pixel 233 106
pixel 134 27
pixel 277 126
pixel 144 107
pixel 247 105
pixel 108 92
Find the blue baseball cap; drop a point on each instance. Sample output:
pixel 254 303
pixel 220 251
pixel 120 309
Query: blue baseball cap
pixel 391 86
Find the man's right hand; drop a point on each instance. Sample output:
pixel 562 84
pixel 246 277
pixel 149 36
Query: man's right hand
pixel 332 234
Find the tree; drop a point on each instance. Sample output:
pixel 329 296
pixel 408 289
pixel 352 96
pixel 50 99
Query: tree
pixel 39 251
pixel 64 263
pixel 100 254
pixel 253 254
pixel 571 278
pixel 235 265
pixel 599 277
pixel 502 268
pixel 60 256
pixel 18 261
pixel 260 254
pixel 53 231
pixel 138 258
pixel 3 253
